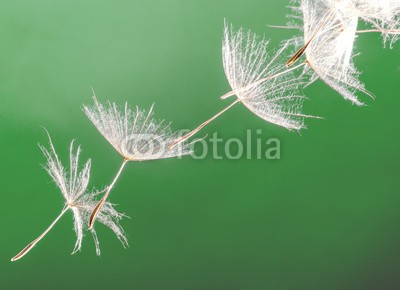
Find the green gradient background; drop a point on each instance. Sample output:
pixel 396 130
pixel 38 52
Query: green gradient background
pixel 325 216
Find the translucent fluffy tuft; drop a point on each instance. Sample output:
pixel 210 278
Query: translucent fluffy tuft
pixel 331 26
pixel 134 133
pixel 384 15
pixel 108 216
pixel 260 81
pixel 73 185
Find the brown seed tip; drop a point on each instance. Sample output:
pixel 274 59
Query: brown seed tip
pixel 23 252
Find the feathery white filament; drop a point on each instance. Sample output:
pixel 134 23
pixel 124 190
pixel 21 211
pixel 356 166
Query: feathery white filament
pixel 73 186
pixel 260 81
pixel 135 134
pixel 330 53
pixel 384 15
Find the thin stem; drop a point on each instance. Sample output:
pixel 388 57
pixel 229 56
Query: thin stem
pixel 284 27
pixel 232 93
pixel 379 30
pixel 227 95
pixel 98 207
pixel 202 125
pixel 37 240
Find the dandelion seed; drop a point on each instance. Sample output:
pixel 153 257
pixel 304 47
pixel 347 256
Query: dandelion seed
pixel 260 81
pixel 73 186
pixel 135 135
pixel 301 51
pixel 329 49
pixel 330 53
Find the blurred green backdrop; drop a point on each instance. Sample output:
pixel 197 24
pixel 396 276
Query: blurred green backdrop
pixel 325 216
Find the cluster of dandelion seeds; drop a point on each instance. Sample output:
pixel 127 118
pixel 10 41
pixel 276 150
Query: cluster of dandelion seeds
pixel 329 30
pixel 330 33
pixel 267 82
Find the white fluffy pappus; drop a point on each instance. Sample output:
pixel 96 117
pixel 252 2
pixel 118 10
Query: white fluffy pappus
pixel 329 31
pixel 135 134
pixel 260 80
pixel 383 15
pixel 73 186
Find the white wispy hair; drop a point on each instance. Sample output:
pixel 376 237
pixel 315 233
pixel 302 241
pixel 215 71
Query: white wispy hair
pixel 259 80
pixel 73 186
pixel 384 15
pixel 329 31
pixel 134 133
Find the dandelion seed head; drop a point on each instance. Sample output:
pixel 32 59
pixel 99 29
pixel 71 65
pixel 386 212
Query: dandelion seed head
pixel 254 76
pixel 332 27
pixel 73 186
pixel 135 134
